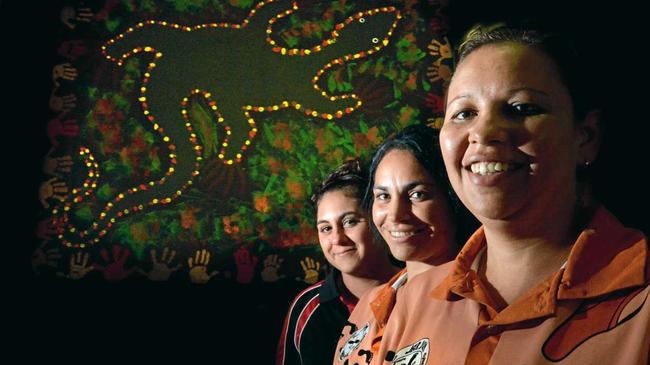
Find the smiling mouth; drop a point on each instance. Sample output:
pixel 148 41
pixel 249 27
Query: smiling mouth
pixel 343 252
pixel 403 234
pixel 492 167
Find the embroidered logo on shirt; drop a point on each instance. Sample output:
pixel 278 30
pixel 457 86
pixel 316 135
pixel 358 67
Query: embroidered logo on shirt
pixel 415 354
pixel 593 318
pixel 354 341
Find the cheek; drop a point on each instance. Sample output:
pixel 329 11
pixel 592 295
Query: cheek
pixel 322 240
pixel 378 215
pixel 431 213
pixel 451 144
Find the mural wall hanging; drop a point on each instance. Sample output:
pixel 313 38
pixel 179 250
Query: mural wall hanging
pixel 186 134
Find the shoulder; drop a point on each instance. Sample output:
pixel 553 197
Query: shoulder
pixel 362 311
pixel 306 296
pixel 425 282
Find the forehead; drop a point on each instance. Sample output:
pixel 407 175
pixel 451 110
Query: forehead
pixel 506 66
pixel 400 163
pixel 335 202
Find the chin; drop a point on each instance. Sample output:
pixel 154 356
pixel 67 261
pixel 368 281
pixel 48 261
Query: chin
pixel 483 210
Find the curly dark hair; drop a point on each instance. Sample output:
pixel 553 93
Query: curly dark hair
pixel 349 177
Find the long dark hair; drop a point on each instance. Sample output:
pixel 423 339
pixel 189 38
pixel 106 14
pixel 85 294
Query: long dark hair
pixel 423 143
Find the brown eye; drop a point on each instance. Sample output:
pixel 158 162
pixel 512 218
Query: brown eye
pixel 526 109
pixel 382 196
pixel 463 115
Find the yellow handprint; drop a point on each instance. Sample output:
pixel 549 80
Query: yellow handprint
pixel 310 267
pixel 199 267
pixel 79 266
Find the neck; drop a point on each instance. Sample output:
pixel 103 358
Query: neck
pixel 357 286
pixel 417 267
pixel 379 272
pixel 522 254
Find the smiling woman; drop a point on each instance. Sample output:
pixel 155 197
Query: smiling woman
pixel 415 212
pixel 318 313
pixel 551 276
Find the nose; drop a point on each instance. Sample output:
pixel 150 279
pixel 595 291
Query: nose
pixel 489 128
pixel 399 210
pixel 338 236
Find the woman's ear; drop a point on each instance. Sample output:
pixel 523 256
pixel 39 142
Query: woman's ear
pixel 589 134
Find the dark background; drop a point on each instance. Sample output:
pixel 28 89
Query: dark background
pixel 88 321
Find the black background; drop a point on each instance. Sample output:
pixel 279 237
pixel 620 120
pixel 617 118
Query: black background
pixel 57 320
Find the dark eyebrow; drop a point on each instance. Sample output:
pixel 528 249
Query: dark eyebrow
pixel 408 186
pixel 464 96
pixel 512 91
pixel 417 183
pixel 352 212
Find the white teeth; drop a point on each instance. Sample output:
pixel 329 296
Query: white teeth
pixel 397 234
pixel 488 168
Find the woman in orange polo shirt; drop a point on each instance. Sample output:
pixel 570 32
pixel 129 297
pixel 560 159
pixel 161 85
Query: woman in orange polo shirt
pixel 414 210
pixel 551 276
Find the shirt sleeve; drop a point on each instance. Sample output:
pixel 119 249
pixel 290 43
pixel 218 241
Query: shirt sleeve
pixel 287 353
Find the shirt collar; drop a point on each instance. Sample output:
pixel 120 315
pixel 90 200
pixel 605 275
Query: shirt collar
pixel 605 258
pixel 329 290
pixel 382 305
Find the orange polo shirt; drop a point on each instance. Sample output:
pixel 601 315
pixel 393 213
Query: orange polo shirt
pixel 366 322
pixel 593 310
